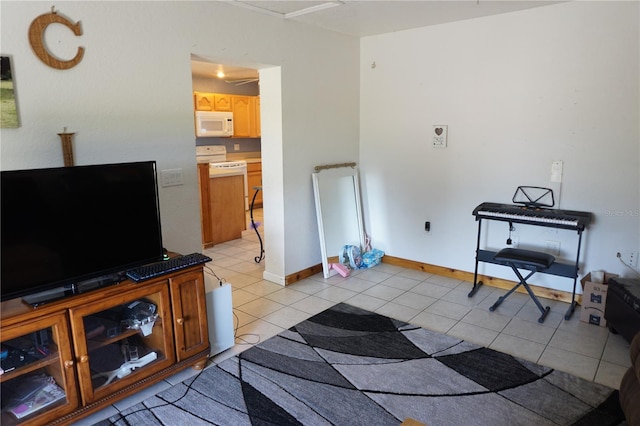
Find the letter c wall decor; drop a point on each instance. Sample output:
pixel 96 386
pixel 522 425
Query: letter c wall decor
pixel 36 39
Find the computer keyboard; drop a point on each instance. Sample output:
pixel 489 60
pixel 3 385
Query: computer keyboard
pixel 157 269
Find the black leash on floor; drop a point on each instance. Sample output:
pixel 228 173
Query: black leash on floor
pixel 259 258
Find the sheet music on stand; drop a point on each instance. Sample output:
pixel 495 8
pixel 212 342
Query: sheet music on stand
pixel 534 196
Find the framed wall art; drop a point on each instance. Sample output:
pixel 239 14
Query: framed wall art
pixel 8 106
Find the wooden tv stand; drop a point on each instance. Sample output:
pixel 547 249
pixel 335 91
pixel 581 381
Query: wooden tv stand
pixel 103 345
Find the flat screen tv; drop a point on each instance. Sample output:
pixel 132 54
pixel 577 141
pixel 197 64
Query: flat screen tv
pixel 64 226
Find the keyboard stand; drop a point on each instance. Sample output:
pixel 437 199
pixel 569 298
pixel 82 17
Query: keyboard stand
pixel 557 268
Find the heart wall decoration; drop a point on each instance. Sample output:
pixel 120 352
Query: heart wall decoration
pixel 440 136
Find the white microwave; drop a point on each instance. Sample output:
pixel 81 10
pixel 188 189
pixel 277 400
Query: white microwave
pixel 214 124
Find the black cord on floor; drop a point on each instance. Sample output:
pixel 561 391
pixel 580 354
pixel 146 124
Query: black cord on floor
pixel 220 280
pixel 123 417
pixel 241 337
pixel 243 341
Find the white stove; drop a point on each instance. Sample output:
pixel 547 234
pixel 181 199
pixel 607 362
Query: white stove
pixel 216 156
pixel 211 154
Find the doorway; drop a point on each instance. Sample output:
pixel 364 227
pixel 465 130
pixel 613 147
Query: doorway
pixel 233 90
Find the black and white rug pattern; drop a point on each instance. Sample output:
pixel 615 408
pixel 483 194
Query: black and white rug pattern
pixel 348 366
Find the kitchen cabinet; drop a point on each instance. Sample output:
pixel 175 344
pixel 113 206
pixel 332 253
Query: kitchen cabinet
pixel 206 220
pixel 212 101
pixel 203 101
pixel 222 207
pixel 246 118
pixel 221 102
pixel 254 178
pixel 246 111
pixel 242 116
pixel 104 345
pixel 256 109
pixel 227 208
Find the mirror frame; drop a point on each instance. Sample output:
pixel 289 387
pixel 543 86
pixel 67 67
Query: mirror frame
pixel 323 177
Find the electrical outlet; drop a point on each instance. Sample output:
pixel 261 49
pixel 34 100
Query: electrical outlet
pixel 236 147
pixel 631 259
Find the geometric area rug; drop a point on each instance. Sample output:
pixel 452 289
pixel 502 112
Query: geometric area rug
pixel 349 366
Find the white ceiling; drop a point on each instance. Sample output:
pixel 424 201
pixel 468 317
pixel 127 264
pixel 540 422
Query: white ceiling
pixel 361 18
pixel 203 67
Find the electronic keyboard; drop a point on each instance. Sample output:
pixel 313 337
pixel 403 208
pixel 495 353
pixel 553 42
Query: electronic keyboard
pixel 554 218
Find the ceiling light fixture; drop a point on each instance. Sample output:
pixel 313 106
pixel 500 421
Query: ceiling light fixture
pixel 220 74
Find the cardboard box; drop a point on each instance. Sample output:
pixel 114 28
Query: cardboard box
pixel 594 297
pixel 593 315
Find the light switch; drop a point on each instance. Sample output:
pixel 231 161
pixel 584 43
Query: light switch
pixel 439 136
pixel 556 171
pixel 171 177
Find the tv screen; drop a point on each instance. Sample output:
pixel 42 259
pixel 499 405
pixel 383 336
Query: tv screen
pixel 62 226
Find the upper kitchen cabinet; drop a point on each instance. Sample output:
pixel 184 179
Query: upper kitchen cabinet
pixel 212 101
pixel 256 100
pixel 246 111
pixel 222 102
pixel 246 116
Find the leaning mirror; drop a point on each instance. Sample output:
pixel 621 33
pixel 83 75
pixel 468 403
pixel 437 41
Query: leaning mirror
pixel 337 194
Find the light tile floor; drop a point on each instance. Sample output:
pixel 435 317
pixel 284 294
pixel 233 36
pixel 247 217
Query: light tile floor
pixel 438 303
pixel 263 309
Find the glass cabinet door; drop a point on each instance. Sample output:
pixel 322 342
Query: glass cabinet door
pixel 38 376
pixel 126 337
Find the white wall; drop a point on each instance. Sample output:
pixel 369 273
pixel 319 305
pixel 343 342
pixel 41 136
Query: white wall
pixel 131 99
pixel 517 91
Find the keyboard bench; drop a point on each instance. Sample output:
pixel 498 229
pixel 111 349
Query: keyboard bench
pixel 532 261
